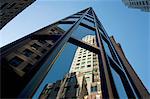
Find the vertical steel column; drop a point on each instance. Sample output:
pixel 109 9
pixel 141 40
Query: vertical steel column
pixel 107 93
pixel 30 89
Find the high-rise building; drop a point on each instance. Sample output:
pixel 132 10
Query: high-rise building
pixel 86 62
pixel 144 5
pixel 72 86
pixel 26 62
pixel 11 8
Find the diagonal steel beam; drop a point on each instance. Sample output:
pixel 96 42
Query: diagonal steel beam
pixel 84 45
pixel 71 40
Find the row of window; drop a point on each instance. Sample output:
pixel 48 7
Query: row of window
pixel 16 61
pixel 82 67
pixel 139 3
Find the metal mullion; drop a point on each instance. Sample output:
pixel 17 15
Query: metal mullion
pixel 108 92
pixel 84 45
pixel 119 61
pixel 29 90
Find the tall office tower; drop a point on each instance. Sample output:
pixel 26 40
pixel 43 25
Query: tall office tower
pixel 26 62
pixel 87 63
pixel 11 8
pixel 72 86
pixel 144 5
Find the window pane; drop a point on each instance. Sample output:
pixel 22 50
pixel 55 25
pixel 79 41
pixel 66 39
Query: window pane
pixel 35 46
pixel 89 18
pixel 93 88
pixel 74 63
pixel 118 83
pixel 85 34
pixel 86 21
pixel 15 61
pixel 72 19
pixel 27 52
pixel 107 50
pixel 65 27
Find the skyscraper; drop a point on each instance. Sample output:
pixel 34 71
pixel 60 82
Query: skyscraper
pixel 72 86
pixel 144 5
pixel 11 8
pixel 26 62
pixel 86 62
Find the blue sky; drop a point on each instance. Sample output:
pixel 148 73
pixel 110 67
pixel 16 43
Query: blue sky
pixel 130 27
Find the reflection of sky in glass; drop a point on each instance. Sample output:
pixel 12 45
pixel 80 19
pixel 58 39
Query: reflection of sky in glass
pixel 60 67
pixel 107 50
pixel 81 32
pixel 72 19
pixel 89 18
pixel 88 22
pixel 65 27
pixel 118 83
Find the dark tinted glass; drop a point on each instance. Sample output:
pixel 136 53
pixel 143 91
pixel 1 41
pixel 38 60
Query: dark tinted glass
pixel 15 61
pixel 83 33
pixel 107 49
pixel 88 22
pixel 118 83
pixel 27 52
pixel 65 27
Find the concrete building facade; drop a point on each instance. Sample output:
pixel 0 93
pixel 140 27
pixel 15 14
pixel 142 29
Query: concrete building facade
pixel 144 5
pixel 11 8
pixel 72 86
pixel 86 62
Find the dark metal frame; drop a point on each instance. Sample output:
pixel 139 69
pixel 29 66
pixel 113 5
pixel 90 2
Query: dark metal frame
pixel 107 83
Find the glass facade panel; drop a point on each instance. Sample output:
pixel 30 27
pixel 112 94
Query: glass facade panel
pixel 102 32
pixel 72 19
pixel 107 50
pixel 65 27
pixel 84 34
pixel 89 23
pixel 118 83
pixel 89 18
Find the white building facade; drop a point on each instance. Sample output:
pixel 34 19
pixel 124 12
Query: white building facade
pixel 87 63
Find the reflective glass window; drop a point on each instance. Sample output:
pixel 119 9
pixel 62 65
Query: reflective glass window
pixel 118 83
pixel 102 32
pixel 15 61
pixel 72 19
pixel 86 21
pixel 94 89
pixel 35 46
pixel 65 27
pixel 107 50
pixel 27 52
pixel 89 18
pixel 42 41
pixel 85 34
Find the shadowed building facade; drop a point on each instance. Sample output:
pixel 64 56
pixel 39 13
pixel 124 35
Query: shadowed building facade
pixel 72 86
pixel 26 62
pixel 144 5
pixel 11 8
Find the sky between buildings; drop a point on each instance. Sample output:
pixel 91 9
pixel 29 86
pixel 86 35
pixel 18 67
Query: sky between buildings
pixel 130 27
